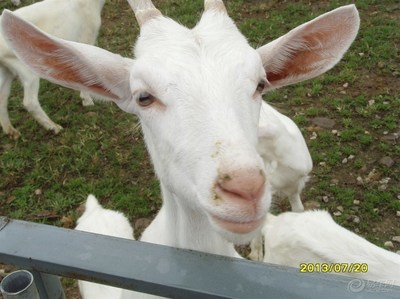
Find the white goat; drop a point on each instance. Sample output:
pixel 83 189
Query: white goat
pixel 287 160
pixel 285 153
pixel 98 220
pixel 201 133
pixel 16 2
pixel 76 20
pixel 313 237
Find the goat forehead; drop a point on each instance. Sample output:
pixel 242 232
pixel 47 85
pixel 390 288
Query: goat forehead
pixel 206 52
pixel 215 40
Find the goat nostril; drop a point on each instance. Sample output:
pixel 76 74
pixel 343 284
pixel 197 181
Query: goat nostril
pixel 248 185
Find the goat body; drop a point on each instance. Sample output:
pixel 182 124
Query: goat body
pixel 285 153
pixel 200 132
pixel 313 237
pixel 98 220
pixel 75 20
pixel 287 161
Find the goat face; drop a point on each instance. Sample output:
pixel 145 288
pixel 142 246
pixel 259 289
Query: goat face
pixel 198 95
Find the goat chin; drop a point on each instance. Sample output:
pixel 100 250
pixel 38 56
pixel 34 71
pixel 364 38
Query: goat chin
pixel 236 238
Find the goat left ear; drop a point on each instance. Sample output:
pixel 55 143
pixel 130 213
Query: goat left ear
pixel 310 49
pixel 70 64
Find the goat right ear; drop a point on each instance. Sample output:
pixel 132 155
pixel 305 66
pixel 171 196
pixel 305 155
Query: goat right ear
pixel 310 49
pixel 70 64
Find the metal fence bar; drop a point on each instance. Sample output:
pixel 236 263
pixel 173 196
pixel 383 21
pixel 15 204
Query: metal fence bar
pixel 166 271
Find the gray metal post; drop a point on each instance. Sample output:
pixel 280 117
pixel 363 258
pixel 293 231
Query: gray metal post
pixel 49 286
pixel 19 285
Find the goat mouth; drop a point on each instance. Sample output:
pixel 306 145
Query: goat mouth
pixel 238 227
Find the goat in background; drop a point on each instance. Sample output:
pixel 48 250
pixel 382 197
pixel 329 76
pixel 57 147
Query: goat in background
pixel 287 161
pixel 313 237
pixel 16 2
pixel 75 20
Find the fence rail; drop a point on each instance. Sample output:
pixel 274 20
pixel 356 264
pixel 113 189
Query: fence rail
pixel 166 271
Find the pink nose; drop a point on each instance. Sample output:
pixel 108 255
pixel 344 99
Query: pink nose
pixel 243 183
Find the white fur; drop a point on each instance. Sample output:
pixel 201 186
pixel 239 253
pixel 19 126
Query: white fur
pixel 76 20
pixel 285 153
pixel 314 237
pixel 98 220
pixel 16 2
pixel 287 159
pixel 281 143
pixel 201 124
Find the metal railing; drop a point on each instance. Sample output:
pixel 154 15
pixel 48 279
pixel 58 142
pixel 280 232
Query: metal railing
pixel 159 270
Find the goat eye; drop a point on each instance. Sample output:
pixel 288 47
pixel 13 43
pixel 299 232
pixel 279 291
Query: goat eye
pixel 145 99
pixel 260 87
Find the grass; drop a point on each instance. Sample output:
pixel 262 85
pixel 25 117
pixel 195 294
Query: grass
pixel 46 177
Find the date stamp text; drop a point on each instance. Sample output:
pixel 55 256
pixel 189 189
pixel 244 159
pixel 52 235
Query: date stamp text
pixel 334 267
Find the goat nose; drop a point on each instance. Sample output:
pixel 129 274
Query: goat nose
pixel 243 183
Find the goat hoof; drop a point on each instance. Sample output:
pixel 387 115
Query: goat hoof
pixel 255 256
pixel 87 102
pixel 13 133
pixel 56 129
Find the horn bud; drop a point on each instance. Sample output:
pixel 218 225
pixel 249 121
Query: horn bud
pixel 217 5
pixel 144 10
pixel 143 16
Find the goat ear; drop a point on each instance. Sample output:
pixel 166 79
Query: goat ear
pixel 73 65
pixel 310 49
